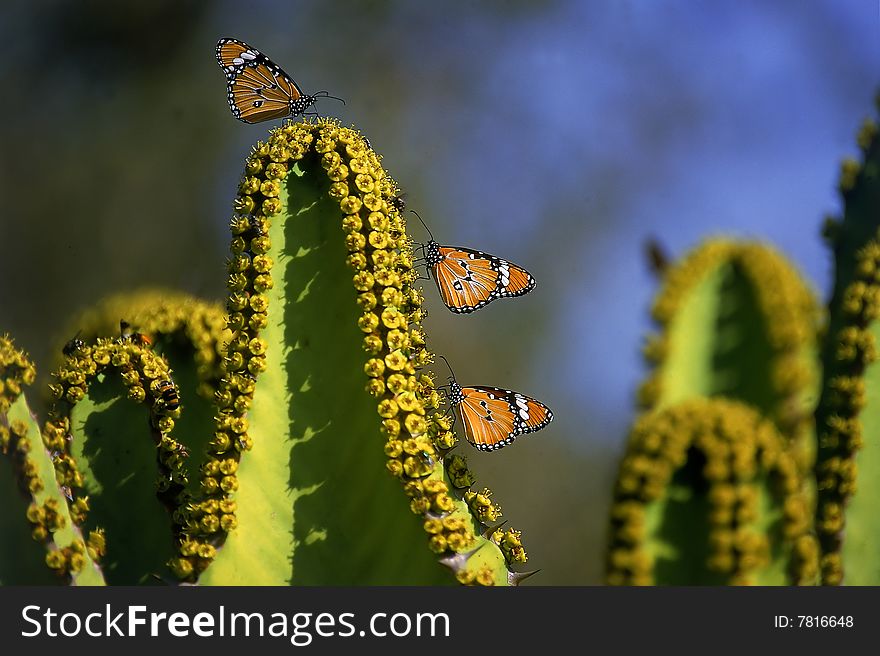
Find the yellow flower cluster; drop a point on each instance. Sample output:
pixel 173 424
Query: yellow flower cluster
pixel 510 542
pixel 855 308
pixel 742 457
pixel 844 398
pixel 165 315
pixel 15 371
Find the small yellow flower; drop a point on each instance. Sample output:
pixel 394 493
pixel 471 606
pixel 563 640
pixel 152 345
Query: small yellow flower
pixel 350 204
pixel 378 221
pixel 395 360
pixel 376 387
pixel 368 322
pixel 373 344
pixel 363 282
pixel 391 427
pixel 374 367
pixel 352 223
pixel 387 408
pixel 338 190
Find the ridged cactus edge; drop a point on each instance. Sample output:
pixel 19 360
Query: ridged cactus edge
pixel 848 424
pixel 321 305
pixel 36 509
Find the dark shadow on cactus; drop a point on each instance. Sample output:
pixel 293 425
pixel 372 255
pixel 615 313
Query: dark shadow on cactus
pixel 743 357
pixel 195 427
pixel 118 462
pixel 771 524
pixel 343 531
pixel 319 405
pixel 684 528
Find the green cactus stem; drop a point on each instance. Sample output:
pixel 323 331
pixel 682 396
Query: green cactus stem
pixel 304 484
pixel 736 320
pixel 709 494
pixel 110 429
pixel 40 545
pixel 848 424
pixel 190 333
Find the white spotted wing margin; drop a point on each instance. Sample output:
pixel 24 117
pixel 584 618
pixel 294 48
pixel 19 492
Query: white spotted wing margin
pixel 493 417
pixel 469 279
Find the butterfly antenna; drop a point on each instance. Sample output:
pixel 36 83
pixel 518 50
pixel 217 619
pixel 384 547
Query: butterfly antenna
pixel 448 365
pixel 324 94
pixel 429 233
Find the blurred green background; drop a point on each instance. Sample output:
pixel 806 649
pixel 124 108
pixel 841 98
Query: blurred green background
pixel 557 134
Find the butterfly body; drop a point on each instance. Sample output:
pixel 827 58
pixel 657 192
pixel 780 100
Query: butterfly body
pixel 256 87
pixel 493 417
pixel 469 279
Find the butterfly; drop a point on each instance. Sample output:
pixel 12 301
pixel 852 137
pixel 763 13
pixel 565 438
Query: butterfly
pixel 469 279
pixel 256 87
pixel 493 417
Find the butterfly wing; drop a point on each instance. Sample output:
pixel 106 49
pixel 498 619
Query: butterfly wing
pixel 256 87
pixel 233 55
pixel 493 417
pixel 469 279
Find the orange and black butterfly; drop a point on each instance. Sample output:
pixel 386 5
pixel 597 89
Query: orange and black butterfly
pixel 469 279
pixel 256 87
pixel 493 417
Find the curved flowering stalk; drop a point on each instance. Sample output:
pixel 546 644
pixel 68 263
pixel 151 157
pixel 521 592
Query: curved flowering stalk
pixel 189 333
pixel 321 302
pixel 848 424
pixel 109 432
pixel 737 320
pixel 708 494
pixel 692 505
pixel 34 506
